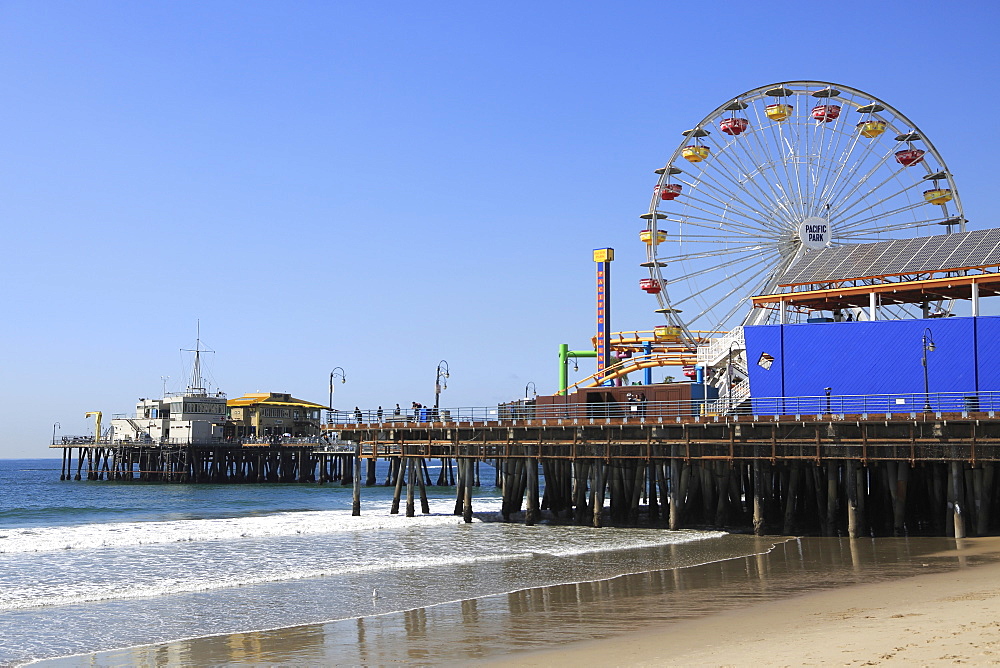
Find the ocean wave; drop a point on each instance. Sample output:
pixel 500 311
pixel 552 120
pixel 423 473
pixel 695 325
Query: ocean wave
pixel 124 534
pixel 12 598
pixel 286 568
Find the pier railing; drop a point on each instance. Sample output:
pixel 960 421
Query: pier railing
pixel 321 442
pixel 912 403
pixel 868 406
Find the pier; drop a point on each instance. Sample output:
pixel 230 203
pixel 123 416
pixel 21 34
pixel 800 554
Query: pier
pixel 851 473
pixel 819 465
pixel 266 460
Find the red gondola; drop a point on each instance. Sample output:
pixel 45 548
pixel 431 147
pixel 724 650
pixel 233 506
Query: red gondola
pixel 669 191
pixel 825 112
pixel 909 156
pixel 733 126
pixel 650 285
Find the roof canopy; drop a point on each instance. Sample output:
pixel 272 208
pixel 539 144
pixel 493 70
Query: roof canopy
pixel 272 399
pixel 904 292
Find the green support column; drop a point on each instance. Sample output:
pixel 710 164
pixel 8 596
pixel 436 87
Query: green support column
pixel 564 354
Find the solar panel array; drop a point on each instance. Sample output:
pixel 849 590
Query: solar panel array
pixel 979 248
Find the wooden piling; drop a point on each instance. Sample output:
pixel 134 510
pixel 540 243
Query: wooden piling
pixel 425 506
pixel 854 529
pixel 397 492
pixel 675 493
pixel 356 496
pixel 469 480
pixel 597 493
pixel 955 487
pixel 531 515
pixel 581 474
pixel 411 483
pixel 985 496
pixel 758 499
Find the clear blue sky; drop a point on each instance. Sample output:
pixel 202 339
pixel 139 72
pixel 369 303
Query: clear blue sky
pixel 379 186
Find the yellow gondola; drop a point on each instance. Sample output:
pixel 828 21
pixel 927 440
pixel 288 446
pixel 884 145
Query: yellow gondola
pixel 646 236
pixel 695 153
pixel 938 195
pixel 667 333
pixel 778 112
pixel 871 129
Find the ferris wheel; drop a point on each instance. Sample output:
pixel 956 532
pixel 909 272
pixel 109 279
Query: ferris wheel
pixel 777 172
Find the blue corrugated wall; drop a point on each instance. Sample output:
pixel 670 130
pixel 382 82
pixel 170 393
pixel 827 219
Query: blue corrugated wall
pixel 881 357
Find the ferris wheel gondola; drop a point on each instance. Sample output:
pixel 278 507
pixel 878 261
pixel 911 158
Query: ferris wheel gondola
pixel 773 174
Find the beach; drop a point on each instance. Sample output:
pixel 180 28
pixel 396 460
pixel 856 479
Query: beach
pixel 934 619
pixel 799 601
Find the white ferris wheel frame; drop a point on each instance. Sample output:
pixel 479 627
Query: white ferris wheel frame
pixel 744 204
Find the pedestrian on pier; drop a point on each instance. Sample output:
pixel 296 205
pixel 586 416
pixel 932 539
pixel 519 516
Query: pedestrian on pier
pixel 397 411
pixel 378 414
pixel 357 414
pixel 642 404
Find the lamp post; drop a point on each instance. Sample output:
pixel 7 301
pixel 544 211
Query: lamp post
pixel 54 432
pixel 926 345
pixel 533 389
pixel 440 383
pixel 337 372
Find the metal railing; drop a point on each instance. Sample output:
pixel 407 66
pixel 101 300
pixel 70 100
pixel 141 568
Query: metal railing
pixel 717 350
pixel 832 407
pixel 107 442
pixel 739 404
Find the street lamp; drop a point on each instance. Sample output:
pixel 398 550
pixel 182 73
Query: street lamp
pixel 440 383
pixel 927 345
pixel 337 372
pixel 533 389
pixel 54 432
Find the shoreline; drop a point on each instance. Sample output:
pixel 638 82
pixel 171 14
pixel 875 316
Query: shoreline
pixel 626 620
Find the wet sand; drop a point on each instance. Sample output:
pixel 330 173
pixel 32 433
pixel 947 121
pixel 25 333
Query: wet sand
pixel 933 619
pixel 806 601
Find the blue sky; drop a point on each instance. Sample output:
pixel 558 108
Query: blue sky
pixel 382 186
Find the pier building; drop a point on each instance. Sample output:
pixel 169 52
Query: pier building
pixel 272 414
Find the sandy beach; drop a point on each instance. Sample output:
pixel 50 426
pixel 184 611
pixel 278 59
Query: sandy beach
pixel 927 620
pixel 809 601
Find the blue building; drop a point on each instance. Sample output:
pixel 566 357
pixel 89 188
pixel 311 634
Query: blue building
pixel 875 366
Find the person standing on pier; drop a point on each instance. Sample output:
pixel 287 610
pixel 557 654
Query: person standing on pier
pixel 357 415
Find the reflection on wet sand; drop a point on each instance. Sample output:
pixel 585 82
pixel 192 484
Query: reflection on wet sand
pixel 540 618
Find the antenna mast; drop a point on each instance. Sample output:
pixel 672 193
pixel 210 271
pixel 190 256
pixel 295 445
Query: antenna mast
pixel 195 386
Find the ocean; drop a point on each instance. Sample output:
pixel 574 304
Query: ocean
pixel 91 566
pixel 102 573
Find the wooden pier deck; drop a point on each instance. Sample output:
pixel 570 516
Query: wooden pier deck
pixel 856 474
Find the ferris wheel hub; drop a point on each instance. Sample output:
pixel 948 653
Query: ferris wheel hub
pixel 814 232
